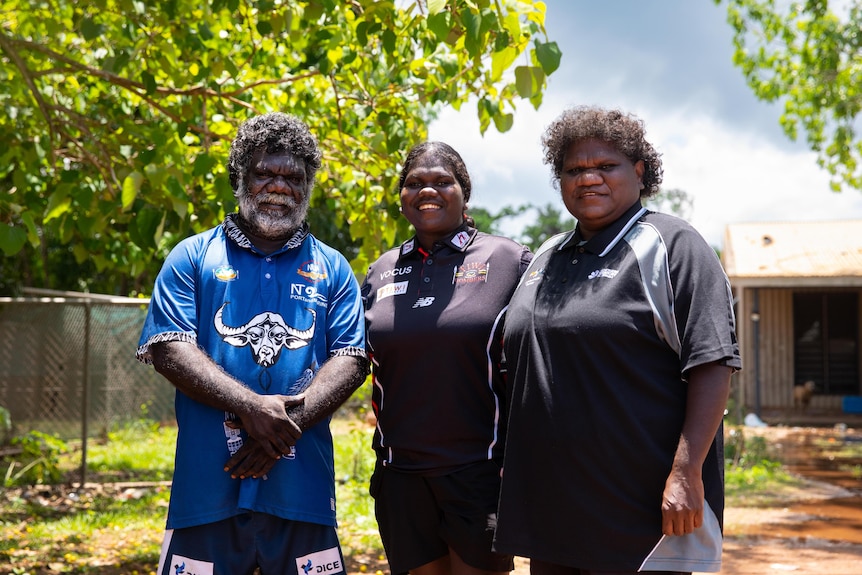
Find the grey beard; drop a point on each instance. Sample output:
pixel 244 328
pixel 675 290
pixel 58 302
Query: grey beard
pixel 269 226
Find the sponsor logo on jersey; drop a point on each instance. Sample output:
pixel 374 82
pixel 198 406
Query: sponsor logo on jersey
pixel 389 290
pixel 312 271
pixel 407 247
pixel 470 273
pixel 185 566
pixel 460 240
pixel 423 302
pixel 603 273
pixel 307 294
pixel 396 272
pixel 225 274
pixel 326 562
pixel 535 276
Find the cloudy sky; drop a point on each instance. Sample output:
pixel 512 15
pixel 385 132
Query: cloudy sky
pixel 668 62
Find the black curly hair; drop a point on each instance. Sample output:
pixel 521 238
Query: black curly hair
pixel 447 156
pixel 624 131
pixel 276 132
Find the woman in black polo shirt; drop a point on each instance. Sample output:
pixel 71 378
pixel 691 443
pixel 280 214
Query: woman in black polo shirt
pixel 433 312
pixel 620 343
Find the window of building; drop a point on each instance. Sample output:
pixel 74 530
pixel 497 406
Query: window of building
pixel 826 341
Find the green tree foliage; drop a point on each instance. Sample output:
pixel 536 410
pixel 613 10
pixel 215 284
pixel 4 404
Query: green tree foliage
pixel 672 201
pixel 117 115
pixel 491 222
pixel 550 221
pixel 809 57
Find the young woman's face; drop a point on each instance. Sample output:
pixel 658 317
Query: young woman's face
pixel 598 184
pixel 432 200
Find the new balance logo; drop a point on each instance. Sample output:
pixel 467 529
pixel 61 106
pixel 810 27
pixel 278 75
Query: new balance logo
pixel 423 302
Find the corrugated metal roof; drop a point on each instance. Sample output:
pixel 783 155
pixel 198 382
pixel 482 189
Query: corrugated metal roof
pixel 793 249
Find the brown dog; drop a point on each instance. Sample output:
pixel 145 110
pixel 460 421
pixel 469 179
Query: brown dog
pixel 802 395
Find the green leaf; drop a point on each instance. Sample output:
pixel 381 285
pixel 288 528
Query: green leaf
pixel 264 27
pixel 503 122
pixel 12 239
pixel 528 80
pixel 472 24
pixel 501 61
pixel 131 187
pixel 548 54
pixel 148 224
pixel 440 24
pixel 389 41
pixel 149 82
pixel 58 203
pixel 90 29
pixel 203 164
pixel 436 6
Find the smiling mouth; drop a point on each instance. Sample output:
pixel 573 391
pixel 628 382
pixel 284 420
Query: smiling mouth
pixel 426 207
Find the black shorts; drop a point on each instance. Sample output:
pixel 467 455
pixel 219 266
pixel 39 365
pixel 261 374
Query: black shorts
pixel 420 517
pixel 239 544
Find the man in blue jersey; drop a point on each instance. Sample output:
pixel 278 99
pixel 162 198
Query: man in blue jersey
pixel 260 328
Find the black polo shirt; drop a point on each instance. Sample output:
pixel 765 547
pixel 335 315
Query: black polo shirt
pixel 433 333
pixel 598 339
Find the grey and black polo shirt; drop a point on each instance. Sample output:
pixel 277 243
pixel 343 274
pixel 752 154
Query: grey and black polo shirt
pixel 599 338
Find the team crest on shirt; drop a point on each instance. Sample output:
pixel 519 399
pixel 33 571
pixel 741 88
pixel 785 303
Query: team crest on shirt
pixel 460 240
pixel 225 273
pixel 407 247
pixel 312 271
pixel 470 273
pixel 266 334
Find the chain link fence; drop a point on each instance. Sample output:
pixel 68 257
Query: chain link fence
pixel 68 367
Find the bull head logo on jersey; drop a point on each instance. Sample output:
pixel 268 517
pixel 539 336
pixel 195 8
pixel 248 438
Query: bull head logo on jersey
pixel 266 333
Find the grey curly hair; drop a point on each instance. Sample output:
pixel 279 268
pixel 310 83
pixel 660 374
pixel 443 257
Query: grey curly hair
pixel 624 131
pixel 276 132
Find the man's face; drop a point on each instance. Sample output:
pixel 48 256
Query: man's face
pixel 275 200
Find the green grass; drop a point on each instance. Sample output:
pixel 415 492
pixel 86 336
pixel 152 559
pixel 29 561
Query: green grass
pixel 118 531
pixel 752 476
pixel 140 452
pixel 54 528
pixel 354 463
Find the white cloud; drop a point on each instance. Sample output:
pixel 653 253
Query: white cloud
pixel 719 143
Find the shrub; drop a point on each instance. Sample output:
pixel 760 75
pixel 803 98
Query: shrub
pixel 38 461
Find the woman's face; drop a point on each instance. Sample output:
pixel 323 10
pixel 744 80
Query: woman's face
pixel 432 200
pixel 598 184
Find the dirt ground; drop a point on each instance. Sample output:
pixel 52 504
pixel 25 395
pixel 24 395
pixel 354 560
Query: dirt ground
pixel 780 549
pixel 764 541
pixel 813 530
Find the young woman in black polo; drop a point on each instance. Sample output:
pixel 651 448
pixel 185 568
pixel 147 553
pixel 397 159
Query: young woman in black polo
pixel 433 313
